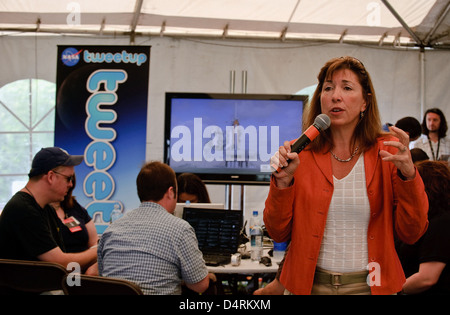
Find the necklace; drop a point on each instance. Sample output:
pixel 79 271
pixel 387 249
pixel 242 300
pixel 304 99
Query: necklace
pixel 29 191
pixel 346 160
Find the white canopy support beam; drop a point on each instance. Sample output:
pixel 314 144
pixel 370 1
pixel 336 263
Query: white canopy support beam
pixel 135 20
pixel 102 26
pixel 403 23
pixel 136 14
pixel 283 34
pixel 225 31
pixel 38 25
pixel 397 42
pixel 344 33
pixel 380 42
pixel 163 29
pixel 285 29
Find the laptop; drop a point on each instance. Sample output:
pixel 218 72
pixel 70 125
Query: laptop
pixel 217 232
pixel 181 205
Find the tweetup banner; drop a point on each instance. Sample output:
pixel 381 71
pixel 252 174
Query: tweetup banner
pixel 101 113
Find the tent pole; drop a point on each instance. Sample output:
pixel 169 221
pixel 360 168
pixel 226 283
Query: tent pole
pixel 422 81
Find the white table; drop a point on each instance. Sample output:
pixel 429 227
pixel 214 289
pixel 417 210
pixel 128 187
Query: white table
pixel 247 267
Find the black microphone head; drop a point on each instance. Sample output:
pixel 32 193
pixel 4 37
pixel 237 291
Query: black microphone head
pixel 322 122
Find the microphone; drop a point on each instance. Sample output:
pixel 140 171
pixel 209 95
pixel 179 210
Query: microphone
pixel 321 123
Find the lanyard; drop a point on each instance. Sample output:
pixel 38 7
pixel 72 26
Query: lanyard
pixel 435 157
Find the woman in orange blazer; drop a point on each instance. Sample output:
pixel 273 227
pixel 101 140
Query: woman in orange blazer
pixel 340 200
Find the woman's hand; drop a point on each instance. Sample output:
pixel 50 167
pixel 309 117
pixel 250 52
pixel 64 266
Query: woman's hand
pixel 284 162
pixel 402 159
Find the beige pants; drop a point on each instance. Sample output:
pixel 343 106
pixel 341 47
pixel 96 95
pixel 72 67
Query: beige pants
pixel 348 289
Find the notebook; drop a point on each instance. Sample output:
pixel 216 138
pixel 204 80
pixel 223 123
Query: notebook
pixel 217 232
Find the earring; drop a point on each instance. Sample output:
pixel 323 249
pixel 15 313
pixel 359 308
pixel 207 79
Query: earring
pixel 361 115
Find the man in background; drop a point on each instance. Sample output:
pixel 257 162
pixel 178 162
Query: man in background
pixel 411 126
pixel 433 140
pixel 151 247
pixel 28 225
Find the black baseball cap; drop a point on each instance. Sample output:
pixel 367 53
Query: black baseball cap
pixel 49 158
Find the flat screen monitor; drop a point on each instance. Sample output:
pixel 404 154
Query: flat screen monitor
pixel 229 138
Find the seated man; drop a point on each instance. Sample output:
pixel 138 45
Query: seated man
pixel 150 246
pixel 28 225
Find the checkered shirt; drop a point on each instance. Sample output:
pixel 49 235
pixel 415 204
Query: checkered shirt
pixel 152 248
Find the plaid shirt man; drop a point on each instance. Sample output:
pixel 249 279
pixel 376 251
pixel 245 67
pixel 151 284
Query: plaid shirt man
pixel 152 248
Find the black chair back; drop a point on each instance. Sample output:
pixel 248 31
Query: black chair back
pixel 30 277
pixel 95 285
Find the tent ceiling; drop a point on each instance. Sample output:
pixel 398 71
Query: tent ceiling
pixel 399 23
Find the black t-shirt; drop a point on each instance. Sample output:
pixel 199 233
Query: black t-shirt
pixel 27 230
pixel 434 245
pixel 76 240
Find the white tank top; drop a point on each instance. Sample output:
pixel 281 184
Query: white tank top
pixel 344 243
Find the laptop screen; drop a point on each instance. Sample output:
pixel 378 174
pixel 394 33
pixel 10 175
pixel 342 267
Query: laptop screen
pixel 217 230
pixel 180 207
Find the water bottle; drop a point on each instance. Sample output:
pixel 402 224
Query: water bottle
pixel 116 213
pixel 278 251
pixel 256 238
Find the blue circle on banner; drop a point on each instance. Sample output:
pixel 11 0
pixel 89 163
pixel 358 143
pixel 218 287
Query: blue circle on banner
pixel 70 56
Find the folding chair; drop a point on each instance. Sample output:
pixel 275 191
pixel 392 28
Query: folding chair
pixel 23 276
pixel 96 285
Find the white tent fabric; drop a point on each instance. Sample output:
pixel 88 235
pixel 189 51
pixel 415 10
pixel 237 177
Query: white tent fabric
pixel 279 45
pixel 390 22
pixel 183 65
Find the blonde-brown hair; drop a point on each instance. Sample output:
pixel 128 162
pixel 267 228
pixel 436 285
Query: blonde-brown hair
pixel 369 127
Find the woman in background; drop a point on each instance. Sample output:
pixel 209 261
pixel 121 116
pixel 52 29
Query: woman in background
pixel 192 189
pixel 77 227
pixel 426 263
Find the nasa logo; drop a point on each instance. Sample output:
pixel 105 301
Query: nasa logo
pixel 70 56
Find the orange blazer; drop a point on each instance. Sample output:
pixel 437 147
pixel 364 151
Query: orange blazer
pixel 299 212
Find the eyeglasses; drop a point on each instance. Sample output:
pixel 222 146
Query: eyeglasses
pixel 68 178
